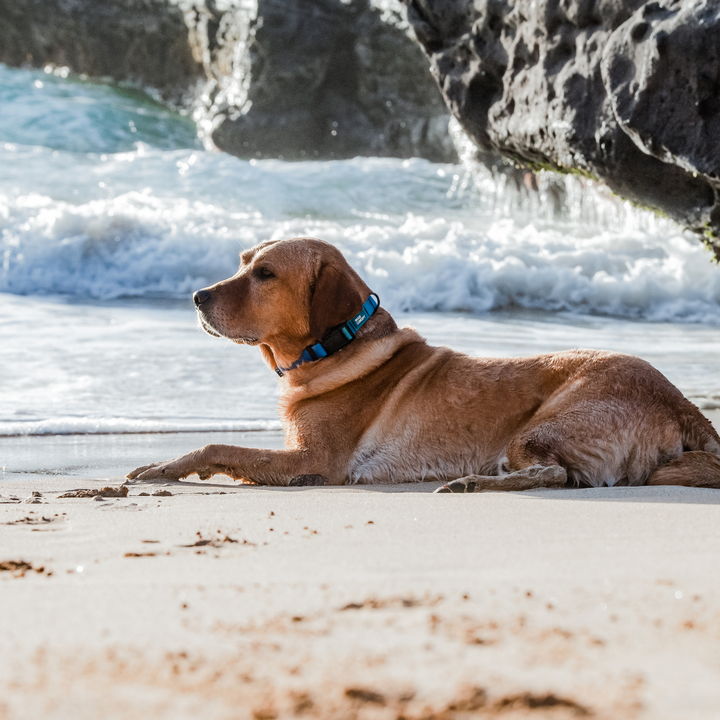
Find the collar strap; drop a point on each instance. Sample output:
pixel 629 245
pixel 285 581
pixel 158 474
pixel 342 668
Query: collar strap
pixel 337 338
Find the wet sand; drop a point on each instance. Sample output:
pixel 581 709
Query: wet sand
pixel 215 600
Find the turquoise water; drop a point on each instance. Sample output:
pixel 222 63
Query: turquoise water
pixel 39 109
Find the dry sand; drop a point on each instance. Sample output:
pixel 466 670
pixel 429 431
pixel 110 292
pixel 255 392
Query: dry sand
pixel 213 600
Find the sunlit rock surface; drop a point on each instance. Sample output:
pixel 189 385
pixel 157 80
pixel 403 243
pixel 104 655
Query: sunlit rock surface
pixel 316 78
pixel 623 90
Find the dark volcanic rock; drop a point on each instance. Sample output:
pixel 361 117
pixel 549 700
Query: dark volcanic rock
pixel 662 74
pixel 623 90
pixel 316 78
pixel 141 41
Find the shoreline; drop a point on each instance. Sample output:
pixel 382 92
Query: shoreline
pixel 220 600
pixel 108 457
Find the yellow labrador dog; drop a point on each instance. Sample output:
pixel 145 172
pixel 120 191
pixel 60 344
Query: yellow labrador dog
pixel 364 401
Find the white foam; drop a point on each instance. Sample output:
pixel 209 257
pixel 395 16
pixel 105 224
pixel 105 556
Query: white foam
pixel 184 229
pixel 65 425
pixel 143 215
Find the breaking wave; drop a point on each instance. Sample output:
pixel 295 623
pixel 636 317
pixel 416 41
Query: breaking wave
pixel 147 213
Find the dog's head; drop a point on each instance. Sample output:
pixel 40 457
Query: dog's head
pixel 284 297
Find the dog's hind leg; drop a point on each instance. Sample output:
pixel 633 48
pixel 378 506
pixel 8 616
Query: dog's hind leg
pixel 529 478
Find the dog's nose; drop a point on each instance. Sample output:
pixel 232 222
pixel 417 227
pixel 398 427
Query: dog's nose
pixel 200 297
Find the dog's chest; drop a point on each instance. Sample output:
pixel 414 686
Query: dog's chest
pixel 407 457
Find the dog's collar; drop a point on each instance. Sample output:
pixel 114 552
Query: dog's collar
pixel 337 338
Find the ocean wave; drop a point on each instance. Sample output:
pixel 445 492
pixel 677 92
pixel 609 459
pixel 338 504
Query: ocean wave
pixel 104 194
pixel 147 243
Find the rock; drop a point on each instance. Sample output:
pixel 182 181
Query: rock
pixel 139 41
pixel 108 491
pixel 575 86
pixel 274 78
pixel 302 79
pixel 662 74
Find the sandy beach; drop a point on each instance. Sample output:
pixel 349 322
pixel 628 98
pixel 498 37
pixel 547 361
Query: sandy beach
pixel 216 600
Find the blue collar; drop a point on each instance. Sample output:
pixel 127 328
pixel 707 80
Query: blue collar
pixel 336 339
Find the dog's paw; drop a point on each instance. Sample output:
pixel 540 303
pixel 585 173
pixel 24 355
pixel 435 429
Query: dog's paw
pixel 530 478
pixel 307 481
pixel 169 470
pixel 549 476
pixel 137 471
pixel 462 485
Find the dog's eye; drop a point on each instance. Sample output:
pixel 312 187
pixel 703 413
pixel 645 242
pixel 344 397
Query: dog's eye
pixel 264 274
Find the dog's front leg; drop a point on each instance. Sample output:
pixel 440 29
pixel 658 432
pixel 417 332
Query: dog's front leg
pixel 265 467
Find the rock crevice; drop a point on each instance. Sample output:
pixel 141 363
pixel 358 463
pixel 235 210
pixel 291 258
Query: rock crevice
pixel 303 79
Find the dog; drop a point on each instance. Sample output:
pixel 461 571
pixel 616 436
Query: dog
pixel 364 401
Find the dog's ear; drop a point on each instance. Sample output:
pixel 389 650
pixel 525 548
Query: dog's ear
pixel 335 300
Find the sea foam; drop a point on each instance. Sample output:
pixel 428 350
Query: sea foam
pixel 150 223
pixel 110 196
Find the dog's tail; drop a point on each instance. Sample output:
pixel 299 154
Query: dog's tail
pixel 699 465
